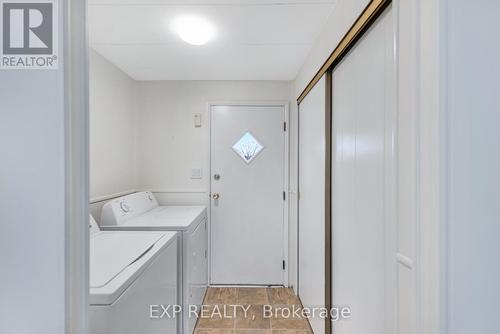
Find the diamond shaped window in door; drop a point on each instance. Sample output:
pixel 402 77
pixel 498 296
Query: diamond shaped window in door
pixel 247 147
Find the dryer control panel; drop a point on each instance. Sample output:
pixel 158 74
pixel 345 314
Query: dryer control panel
pixel 121 209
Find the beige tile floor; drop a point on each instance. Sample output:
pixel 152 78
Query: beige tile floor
pixel 235 322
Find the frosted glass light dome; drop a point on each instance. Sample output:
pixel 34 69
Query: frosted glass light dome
pixel 194 30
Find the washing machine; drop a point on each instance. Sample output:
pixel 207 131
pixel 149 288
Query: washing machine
pixel 141 212
pixel 132 275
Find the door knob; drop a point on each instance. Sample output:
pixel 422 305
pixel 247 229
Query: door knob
pixel 215 196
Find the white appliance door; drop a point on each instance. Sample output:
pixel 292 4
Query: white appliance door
pixel 247 188
pixel 196 272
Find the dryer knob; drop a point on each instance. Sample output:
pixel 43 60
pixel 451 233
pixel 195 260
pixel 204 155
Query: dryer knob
pixel 124 206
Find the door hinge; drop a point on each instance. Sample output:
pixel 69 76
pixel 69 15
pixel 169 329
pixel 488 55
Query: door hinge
pixel 284 266
pixel 284 196
pixel 284 126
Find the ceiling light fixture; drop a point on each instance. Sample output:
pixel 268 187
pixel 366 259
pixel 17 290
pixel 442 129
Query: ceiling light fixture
pixel 194 30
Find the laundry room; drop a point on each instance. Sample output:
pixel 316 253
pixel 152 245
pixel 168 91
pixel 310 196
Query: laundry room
pixel 249 166
pixel 194 157
pixel 190 133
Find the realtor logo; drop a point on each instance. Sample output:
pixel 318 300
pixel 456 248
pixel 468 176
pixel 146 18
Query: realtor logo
pixel 29 34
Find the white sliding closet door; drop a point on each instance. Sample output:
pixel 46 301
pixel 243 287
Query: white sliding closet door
pixel 312 201
pixel 363 120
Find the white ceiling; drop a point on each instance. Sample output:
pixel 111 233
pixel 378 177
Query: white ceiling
pixel 255 40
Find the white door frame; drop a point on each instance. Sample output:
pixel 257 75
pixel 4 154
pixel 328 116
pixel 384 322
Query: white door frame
pixel 286 181
pixel 76 206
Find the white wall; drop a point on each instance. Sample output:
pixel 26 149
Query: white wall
pixel 112 129
pixel 168 143
pixel 449 161
pixel 32 199
pixel 474 163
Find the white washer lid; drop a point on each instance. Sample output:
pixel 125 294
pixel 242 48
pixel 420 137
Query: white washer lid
pixel 111 253
pixel 110 292
pixel 163 218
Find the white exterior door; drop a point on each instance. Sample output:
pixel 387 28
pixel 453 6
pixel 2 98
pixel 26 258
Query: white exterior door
pixel 248 150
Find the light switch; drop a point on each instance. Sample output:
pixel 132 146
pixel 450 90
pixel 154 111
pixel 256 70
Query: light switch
pixel 196 173
pixel 197 120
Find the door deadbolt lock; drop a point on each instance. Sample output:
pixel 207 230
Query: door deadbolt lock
pixel 215 196
pixel 216 177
